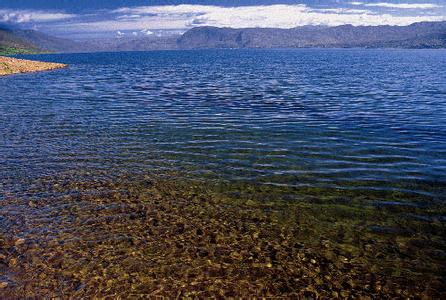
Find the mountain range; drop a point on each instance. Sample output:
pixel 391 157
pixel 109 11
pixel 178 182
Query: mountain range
pixel 10 43
pixel 417 35
pixel 14 40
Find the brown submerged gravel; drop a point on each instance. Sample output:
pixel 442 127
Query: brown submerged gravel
pixel 156 237
pixel 9 65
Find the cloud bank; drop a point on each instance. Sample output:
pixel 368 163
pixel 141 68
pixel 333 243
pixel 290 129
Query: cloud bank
pixel 268 16
pixel 145 19
pixel 25 16
pixel 399 5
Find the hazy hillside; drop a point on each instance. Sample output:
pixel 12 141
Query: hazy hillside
pixel 10 43
pixel 55 44
pixel 47 42
pixel 419 35
pixel 14 40
pixel 130 44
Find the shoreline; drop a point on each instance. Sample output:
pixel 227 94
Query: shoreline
pixel 10 65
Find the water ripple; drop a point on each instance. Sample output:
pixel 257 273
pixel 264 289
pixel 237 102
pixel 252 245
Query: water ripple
pixel 303 117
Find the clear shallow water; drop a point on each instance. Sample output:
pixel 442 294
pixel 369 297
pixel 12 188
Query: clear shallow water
pixel 352 119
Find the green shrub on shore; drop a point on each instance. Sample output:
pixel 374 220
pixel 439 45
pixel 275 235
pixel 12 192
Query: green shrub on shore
pixel 14 51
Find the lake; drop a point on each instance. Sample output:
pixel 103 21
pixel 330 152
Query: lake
pixel 355 137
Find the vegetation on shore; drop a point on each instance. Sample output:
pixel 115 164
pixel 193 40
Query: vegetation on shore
pixel 14 51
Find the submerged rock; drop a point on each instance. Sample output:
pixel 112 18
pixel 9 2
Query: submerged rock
pixel 19 242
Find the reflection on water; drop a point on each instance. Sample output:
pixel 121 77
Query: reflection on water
pixel 341 152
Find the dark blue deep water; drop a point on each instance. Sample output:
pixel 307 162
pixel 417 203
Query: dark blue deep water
pixel 349 119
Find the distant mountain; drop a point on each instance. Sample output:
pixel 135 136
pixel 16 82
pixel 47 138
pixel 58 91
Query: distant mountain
pixel 131 44
pixel 31 41
pixel 10 43
pixel 418 35
pixel 46 42
pixel 15 40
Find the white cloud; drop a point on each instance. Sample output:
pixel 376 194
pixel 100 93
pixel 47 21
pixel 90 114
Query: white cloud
pixel 128 17
pixel 171 17
pixel 146 32
pixel 399 5
pixel 344 10
pixel 179 18
pixel 25 16
pixel 126 25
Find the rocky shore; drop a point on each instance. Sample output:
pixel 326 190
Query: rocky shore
pixel 9 65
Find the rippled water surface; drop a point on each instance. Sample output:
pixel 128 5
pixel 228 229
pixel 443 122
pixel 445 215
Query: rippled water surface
pixel 362 119
pixel 225 172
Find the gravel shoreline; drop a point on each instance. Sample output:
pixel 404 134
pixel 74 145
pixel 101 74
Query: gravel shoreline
pixel 9 65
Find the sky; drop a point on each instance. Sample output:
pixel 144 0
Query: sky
pixel 78 19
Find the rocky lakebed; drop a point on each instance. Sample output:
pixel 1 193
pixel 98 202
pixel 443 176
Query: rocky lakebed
pixel 156 236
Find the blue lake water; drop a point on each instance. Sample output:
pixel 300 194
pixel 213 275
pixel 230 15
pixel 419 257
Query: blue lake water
pixel 288 169
pixel 353 119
